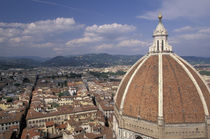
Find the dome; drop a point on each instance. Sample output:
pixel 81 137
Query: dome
pixel 162 96
pixel 183 95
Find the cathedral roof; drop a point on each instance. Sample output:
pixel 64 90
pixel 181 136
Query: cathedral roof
pixel 185 97
pixel 163 85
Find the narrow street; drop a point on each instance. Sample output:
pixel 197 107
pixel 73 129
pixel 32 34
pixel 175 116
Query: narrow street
pixel 23 123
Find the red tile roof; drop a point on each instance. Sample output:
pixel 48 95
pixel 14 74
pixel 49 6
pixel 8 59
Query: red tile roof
pixel 181 100
pixel 49 123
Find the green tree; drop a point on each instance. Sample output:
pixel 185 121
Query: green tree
pixel 9 99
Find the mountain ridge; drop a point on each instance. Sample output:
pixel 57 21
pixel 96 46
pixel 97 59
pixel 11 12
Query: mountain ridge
pixel 90 60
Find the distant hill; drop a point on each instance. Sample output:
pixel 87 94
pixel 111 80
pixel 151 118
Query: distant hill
pixel 197 60
pixel 6 63
pixel 91 60
pixel 35 58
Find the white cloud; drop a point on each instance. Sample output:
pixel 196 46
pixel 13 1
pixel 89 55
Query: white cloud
pixel 110 28
pixel 21 39
pixel 128 43
pixel 58 49
pixel 194 36
pixel 56 25
pixel 44 35
pixel 196 41
pixel 11 25
pixel 189 33
pixel 205 30
pixel 104 47
pixel 172 9
pixel 84 40
pixel 58 37
pixel 112 38
pixel 10 32
pixel 35 34
pixel 47 44
pixel 39 27
pixel 101 34
pixel 182 29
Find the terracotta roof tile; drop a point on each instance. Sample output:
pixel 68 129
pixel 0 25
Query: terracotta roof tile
pixel 181 101
pixel 143 92
pixel 123 85
pixel 49 123
pixel 201 84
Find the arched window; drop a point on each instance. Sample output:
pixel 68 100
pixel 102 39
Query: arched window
pixel 162 45
pixel 157 45
pixel 139 137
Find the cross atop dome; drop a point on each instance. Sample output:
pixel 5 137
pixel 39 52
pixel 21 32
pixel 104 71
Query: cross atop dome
pixel 160 42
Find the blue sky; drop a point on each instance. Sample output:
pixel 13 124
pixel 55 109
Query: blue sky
pixel 50 28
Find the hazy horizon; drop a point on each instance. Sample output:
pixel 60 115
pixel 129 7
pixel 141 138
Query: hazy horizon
pixel 91 54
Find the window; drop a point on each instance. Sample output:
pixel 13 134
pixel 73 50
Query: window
pixel 157 45
pixel 162 45
pixel 139 137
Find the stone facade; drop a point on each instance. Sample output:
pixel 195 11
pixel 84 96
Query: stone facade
pixel 130 128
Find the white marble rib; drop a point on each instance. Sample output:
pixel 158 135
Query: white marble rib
pixel 115 98
pixel 195 83
pixel 130 80
pixel 194 71
pixel 160 86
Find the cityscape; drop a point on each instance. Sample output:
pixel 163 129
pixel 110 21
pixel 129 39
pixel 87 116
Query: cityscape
pixel 58 102
pixel 104 70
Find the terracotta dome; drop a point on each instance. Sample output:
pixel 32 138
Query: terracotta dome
pixel 162 90
pixel 184 96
